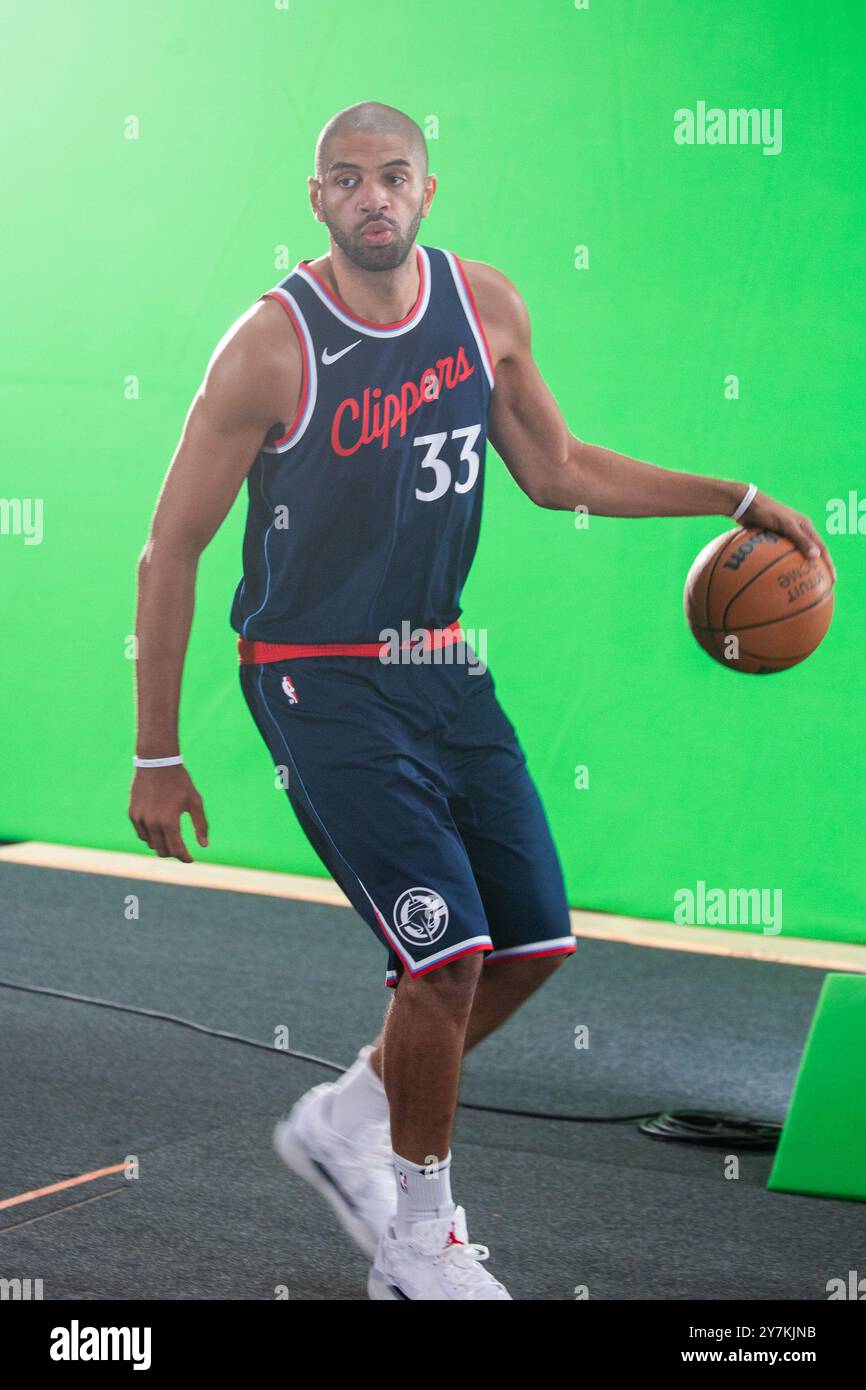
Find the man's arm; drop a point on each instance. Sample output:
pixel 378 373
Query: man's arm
pixel 251 382
pixel 557 470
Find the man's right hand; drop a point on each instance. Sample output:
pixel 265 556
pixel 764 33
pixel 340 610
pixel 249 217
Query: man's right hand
pixel 157 800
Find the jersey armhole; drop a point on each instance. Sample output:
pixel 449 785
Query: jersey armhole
pixel 470 308
pixel 308 374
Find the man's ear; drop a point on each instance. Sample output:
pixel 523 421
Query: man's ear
pixel 315 197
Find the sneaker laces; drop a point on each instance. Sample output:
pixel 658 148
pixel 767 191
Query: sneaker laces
pixel 463 1263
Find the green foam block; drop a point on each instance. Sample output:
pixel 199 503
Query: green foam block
pixel 822 1150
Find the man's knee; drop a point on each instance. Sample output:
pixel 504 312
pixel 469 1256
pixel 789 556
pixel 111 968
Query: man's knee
pixel 453 984
pixel 525 971
pixel 548 965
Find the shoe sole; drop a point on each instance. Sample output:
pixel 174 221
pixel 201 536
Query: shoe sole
pixel 380 1289
pixel 295 1156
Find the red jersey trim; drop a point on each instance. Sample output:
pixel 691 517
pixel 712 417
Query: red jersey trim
pixel 356 318
pixel 392 982
pixel 305 368
pixel 465 278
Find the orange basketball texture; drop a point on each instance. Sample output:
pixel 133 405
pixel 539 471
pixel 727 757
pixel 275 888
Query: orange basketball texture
pixel 758 587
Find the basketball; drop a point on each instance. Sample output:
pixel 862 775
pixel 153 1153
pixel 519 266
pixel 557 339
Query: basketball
pixel 755 603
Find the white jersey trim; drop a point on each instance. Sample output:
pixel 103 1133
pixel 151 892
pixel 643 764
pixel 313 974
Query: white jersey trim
pixel 359 325
pixel 288 441
pixel 470 315
pixel 555 945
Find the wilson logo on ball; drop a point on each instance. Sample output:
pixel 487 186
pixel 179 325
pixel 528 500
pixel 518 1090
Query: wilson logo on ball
pixel 735 560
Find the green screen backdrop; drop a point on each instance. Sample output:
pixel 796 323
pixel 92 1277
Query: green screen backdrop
pixel 155 165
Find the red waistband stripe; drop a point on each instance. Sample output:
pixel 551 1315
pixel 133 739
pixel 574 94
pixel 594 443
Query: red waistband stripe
pixel 258 653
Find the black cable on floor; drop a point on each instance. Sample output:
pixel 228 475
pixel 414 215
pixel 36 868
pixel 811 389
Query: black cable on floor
pixel 303 1056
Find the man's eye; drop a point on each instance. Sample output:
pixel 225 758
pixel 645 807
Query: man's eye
pixel 348 178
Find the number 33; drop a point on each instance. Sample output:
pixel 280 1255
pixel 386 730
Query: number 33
pixel 441 469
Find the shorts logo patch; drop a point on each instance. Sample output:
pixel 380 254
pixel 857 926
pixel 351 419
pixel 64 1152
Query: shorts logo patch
pixel 420 916
pixel 289 689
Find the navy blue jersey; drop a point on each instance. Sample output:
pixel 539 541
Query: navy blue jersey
pixel 364 514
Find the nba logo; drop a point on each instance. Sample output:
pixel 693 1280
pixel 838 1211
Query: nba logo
pixel 289 690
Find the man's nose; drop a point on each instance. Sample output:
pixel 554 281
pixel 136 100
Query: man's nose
pixel 374 197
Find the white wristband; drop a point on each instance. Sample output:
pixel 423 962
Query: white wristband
pixel 747 501
pixel 158 762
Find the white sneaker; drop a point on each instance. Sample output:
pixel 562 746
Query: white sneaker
pixel 435 1261
pixel 356 1175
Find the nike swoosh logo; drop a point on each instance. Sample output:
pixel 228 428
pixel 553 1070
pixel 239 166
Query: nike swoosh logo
pixel 328 357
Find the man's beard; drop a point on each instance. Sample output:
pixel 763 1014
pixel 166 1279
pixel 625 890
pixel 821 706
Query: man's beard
pixel 386 257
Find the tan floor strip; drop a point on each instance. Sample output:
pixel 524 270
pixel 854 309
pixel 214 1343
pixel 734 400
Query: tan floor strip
pixel 60 1186
pixel 603 926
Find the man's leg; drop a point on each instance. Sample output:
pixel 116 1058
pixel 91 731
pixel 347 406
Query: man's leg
pixel 501 989
pixel 424 1035
pixel 431 1021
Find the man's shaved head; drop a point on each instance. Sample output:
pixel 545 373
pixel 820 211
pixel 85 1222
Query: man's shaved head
pixel 374 118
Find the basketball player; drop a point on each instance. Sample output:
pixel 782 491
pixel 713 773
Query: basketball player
pixel 356 398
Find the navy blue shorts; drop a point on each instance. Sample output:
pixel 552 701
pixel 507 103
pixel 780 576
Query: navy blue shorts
pixel 410 784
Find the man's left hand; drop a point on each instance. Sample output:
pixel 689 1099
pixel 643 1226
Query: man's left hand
pixel 765 513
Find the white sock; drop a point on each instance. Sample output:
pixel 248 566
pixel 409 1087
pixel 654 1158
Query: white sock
pixel 358 1097
pixel 423 1191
